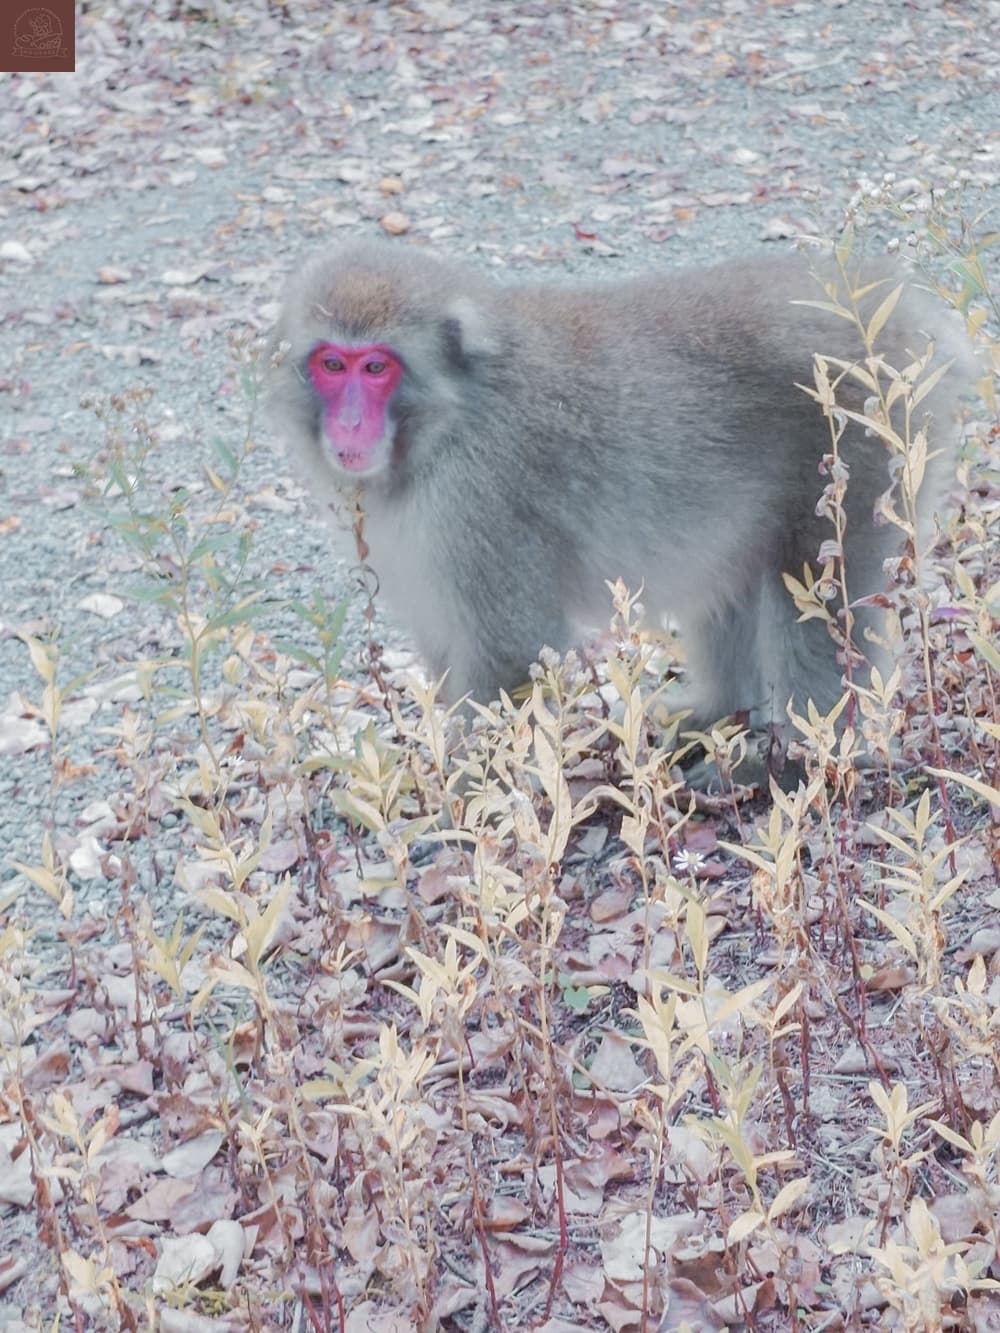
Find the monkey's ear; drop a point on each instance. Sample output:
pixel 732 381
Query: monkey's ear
pixel 467 332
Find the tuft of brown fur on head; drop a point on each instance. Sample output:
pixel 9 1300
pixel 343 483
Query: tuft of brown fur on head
pixel 361 299
pixel 368 288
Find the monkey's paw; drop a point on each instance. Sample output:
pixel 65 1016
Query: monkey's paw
pixel 765 758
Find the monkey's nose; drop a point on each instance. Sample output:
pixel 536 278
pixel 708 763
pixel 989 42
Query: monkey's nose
pixel 351 412
pixel 349 420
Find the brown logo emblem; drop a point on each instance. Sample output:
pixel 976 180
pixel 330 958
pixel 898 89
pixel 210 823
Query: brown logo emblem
pixel 41 37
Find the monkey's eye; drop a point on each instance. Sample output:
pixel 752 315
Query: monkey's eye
pixel 332 364
pixel 375 367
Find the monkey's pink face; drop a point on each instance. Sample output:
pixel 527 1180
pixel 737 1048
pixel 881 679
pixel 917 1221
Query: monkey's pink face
pixel 356 385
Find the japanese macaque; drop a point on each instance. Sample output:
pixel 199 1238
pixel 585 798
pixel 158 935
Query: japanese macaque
pixel 516 445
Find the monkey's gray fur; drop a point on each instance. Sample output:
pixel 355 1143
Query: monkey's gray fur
pixel 547 438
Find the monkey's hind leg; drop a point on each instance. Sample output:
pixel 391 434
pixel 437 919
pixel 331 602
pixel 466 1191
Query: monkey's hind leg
pixel 752 657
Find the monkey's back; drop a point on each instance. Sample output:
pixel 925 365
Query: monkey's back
pixel 721 422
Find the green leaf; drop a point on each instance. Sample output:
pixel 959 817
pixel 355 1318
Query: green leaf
pixel 152 593
pixel 299 654
pixel 217 541
pixel 225 454
pixel 245 612
pixel 578 998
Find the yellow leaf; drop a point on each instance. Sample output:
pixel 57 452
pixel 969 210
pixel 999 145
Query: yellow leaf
pixel 929 382
pixel 258 933
pixel 217 900
pixel 41 878
pixel 556 789
pixel 894 927
pixel 877 321
pixel 787 1197
pixel 828 306
pixel 956 1140
pixel 842 250
pixel 786 1003
pixel 42 657
pixel 315 1089
pixel 989 794
pixel 205 821
pixel 744 1226
pixel 362 812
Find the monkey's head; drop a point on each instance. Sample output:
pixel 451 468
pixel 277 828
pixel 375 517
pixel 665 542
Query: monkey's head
pixel 371 340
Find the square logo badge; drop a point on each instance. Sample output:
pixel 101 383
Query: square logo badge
pixel 37 37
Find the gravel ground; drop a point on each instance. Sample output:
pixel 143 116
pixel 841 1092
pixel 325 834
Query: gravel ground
pixel 150 203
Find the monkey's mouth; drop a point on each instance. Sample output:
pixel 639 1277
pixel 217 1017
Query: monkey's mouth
pixel 356 460
pixel 351 455
pixel 353 460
